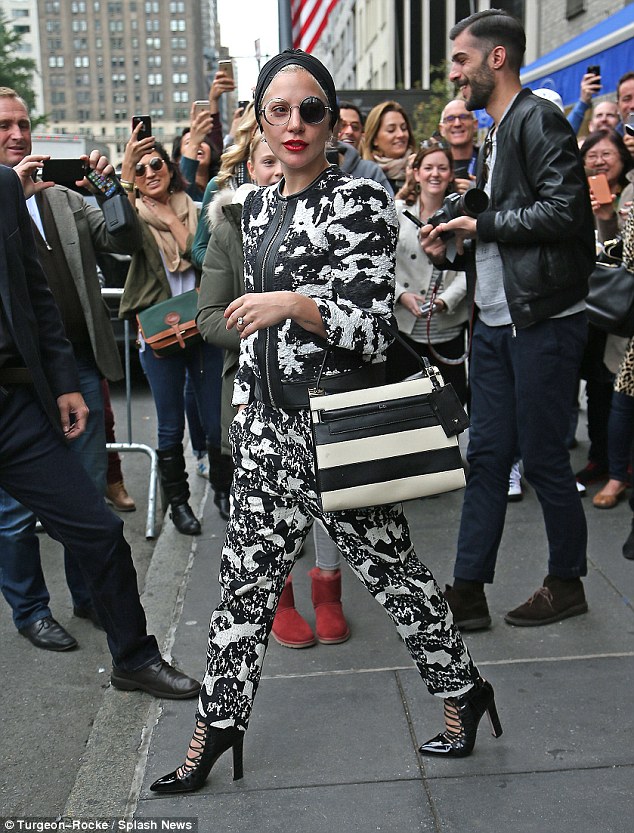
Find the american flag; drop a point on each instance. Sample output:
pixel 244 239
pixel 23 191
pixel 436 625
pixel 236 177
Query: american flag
pixel 309 18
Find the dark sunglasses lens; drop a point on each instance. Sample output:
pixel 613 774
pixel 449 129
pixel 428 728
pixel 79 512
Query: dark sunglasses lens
pixel 312 110
pixel 156 163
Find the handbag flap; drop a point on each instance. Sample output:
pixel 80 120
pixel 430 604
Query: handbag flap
pixel 369 396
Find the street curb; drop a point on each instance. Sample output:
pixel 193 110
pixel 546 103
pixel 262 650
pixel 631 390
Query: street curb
pixel 112 766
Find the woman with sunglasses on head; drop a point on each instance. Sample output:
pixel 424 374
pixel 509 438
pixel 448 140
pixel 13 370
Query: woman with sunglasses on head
pixel 319 265
pixel 438 333
pixel 389 141
pixel 161 269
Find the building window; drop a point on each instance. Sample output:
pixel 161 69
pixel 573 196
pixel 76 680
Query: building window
pixel 56 61
pixel 19 13
pixel 574 7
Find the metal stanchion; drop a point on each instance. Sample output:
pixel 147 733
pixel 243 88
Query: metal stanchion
pixel 129 446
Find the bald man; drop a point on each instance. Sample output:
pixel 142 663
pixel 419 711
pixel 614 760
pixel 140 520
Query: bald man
pixel 457 127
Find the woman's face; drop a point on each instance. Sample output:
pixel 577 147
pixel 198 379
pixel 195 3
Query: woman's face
pixel 264 167
pixel 434 174
pixel 392 138
pixel 299 146
pixel 203 154
pixel 153 183
pixel 605 159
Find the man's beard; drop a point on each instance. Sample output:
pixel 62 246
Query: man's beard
pixel 482 85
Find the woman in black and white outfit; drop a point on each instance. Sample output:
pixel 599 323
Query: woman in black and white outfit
pixel 319 272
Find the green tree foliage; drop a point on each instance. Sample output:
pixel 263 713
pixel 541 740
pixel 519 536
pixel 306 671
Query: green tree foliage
pixel 15 71
pixel 427 114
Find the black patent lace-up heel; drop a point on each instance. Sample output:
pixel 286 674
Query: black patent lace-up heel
pixel 462 716
pixel 207 745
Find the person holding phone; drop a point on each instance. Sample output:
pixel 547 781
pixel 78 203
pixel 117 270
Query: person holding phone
pixel 161 268
pixel 197 150
pixel 61 214
pixel 589 87
pixel 605 156
pixel 417 280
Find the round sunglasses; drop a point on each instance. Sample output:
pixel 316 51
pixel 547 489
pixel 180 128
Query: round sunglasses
pixel 277 112
pixel 156 163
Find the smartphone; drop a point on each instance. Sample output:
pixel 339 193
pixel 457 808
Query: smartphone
pixel 107 185
pixel 63 170
pixel 146 131
pixel 414 219
pixel 427 308
pixel 226 67
pixel 594 69
pixel 242 105
pixel 201 107
pixel 629 125
pixel 600 188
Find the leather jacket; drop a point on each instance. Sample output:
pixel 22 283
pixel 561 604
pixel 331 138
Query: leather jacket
pixel 540 213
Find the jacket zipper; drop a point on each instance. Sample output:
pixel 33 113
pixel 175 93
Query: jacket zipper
pixel 267 342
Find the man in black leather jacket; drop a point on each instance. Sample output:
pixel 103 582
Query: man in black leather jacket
pixel 533 252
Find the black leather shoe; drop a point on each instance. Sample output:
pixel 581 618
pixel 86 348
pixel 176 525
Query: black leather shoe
pixel 221 499
pixel 49 635
pixel 158 679
pixel 462 716
pixel 88 613
pixel 184 520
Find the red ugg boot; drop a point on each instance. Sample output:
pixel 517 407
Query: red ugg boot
pixel 289 628
pixel 331 625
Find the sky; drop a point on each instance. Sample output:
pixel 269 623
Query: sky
pixel 241 22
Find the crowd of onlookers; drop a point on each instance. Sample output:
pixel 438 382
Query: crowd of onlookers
pixel 174 242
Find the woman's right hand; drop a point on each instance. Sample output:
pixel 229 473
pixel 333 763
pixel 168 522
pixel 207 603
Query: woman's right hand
pixel 135 150
pixel 412 301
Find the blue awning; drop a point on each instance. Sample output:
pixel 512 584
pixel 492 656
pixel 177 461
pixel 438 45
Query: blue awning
pixel 609 44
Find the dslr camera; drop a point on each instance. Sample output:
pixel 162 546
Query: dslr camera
pixel 470 204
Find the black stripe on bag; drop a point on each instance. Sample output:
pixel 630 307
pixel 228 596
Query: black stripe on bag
pixel 373 425
pixel 392 468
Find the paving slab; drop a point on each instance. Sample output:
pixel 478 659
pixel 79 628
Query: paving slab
pixel 354 808
pixel 551 802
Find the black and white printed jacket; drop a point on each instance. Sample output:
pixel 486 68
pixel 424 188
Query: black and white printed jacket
pixel 335 242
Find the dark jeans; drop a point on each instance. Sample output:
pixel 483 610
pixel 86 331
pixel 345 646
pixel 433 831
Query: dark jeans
pixel 166 375
pixel 620 435
pixel 521 389
pixel 39 470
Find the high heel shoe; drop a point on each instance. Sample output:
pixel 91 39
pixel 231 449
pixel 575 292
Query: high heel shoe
pixel 207 744
pixel 462 716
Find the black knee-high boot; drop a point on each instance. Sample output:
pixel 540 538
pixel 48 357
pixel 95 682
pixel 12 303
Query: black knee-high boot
pixel 220 477
pixel 174 484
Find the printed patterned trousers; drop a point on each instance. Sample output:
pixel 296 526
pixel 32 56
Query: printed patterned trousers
pixel 274 503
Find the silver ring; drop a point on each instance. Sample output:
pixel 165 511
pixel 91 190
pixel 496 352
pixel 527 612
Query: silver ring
pixel 240 321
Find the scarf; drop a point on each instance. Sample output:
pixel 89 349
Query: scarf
pixel 186 212
pixel 394 169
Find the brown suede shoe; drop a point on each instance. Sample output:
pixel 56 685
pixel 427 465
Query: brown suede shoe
pixel 469 608
pixel 117 496
pixel 558 599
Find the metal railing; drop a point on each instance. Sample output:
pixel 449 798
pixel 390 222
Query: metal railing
pixel 129 446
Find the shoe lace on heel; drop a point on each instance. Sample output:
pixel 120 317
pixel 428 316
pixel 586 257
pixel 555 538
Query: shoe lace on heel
pixel 195 750
pixel 454 728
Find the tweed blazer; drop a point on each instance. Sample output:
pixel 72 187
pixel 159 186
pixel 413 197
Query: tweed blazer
pixel 82 231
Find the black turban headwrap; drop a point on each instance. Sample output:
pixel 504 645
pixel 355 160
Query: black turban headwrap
pixel 307 62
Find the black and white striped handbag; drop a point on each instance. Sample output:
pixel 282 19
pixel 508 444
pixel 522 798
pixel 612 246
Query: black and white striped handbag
pixel 388 443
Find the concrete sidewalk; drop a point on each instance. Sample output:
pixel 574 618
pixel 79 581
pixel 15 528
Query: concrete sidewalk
pixel 332 744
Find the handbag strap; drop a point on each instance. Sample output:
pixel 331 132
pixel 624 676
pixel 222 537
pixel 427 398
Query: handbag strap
pixel 427 368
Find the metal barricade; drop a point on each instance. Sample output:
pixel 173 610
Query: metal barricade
pixel 129 446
